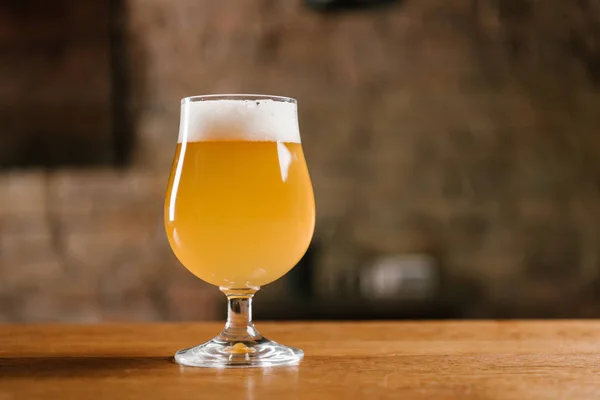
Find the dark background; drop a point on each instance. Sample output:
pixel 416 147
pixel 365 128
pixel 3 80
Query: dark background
pixel 453 145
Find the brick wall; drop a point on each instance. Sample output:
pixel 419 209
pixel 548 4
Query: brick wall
pixel 467 129
pixel 89 246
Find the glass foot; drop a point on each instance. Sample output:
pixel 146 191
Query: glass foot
pixel 217 353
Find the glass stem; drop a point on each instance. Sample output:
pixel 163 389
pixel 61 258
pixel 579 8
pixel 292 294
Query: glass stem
pixel 239 326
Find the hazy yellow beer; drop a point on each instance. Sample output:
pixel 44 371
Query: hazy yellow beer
pixel 239 210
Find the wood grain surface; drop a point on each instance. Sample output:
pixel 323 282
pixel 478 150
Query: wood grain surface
pixel 395 360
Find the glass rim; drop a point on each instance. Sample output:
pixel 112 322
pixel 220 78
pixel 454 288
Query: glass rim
pixel 239 97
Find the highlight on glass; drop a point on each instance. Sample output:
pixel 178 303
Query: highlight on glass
pixel 239 213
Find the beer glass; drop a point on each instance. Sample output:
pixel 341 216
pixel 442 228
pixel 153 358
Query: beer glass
pixel 239 213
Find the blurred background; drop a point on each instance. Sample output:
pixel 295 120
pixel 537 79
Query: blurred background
pixel 454 148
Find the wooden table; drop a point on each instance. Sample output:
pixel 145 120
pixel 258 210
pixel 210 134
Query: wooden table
pixel 397 360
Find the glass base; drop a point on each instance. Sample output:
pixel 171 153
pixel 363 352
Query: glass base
pixel 217 353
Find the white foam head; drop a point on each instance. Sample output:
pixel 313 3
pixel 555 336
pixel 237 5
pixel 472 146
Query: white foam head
pixel 259 119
